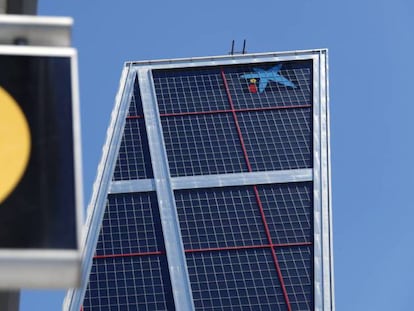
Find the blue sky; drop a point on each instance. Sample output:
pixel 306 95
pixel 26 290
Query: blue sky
pixel 372 143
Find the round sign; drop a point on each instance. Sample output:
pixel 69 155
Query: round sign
pixel 14 144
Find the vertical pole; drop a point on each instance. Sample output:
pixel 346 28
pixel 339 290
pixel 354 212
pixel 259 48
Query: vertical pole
pixel 25 7
pixel 9 300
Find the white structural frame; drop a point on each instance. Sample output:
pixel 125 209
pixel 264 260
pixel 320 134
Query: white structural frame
pixel 49 268
pixel 164 184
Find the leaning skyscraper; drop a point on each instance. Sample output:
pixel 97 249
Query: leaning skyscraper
pixel 213 191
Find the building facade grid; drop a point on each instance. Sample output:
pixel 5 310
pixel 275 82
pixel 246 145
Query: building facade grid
pixel 259 244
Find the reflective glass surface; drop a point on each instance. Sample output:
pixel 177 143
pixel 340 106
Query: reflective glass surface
pixel 213 116
pixel 247 247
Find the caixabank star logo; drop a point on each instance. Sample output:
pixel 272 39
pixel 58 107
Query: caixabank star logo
pixel 263 77
pixel 14 144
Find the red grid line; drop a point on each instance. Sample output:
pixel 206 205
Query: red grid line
pixel 256 192
pixel 190 113
pixel 230 248
pixel 199 250
pixel 135 117
pixel 236 121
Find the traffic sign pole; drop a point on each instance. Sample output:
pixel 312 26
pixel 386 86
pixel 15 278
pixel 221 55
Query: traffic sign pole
pixel 9 300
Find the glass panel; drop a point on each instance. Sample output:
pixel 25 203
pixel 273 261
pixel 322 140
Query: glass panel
pixel 134 160
pixel 296 265
pixel 288 209
pixel 202 145
pixel 278 139
pixel 129 283
pixel 235 280
pixel 189 90
pixel 131 224
pixel 219 217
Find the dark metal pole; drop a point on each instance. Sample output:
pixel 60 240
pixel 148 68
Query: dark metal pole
pixel 9 300
pixel 244 47
pixel 25 7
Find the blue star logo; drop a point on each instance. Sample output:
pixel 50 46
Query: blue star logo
pixel 265 76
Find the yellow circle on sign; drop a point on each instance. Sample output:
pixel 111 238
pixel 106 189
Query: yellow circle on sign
pixel 14 144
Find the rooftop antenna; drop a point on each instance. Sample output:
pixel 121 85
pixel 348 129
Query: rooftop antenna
pixel 244 47
pixel 232 52
pixel 232 47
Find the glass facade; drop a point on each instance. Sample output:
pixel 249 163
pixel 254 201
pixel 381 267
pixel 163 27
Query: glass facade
pixel 242 189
